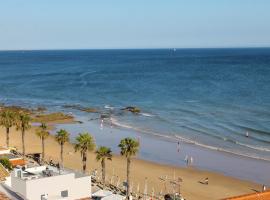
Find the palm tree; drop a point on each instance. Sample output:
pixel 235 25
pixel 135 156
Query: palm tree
pixel 84 143
pixel 102 154
pixel 62 137
pixel 7 120
pixel 23 123
pixel 43 134
pixel 129 147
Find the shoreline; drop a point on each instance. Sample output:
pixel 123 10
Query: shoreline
pixel 188 142
pixel 210 159
pixel 219 187
pixel 75 111
pixel 164 151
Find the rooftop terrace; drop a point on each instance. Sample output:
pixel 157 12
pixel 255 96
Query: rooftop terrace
pixel 47 171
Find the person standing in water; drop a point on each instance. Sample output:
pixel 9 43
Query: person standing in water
pixel 101 124
pixel 178 147
pixel 191 160
pixel 186 159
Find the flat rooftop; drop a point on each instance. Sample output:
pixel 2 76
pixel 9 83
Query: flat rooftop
pixel 47 171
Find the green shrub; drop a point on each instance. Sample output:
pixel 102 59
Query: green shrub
pixel 6 163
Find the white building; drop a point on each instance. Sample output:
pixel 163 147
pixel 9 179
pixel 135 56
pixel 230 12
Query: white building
pixel 48 183
pixel 4 151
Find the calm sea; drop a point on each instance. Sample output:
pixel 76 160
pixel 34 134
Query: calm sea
pixel 209 97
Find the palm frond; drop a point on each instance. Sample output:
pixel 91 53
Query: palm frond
pixel 129 147
pixel 103 153
pixel 84 142
pixel 62 136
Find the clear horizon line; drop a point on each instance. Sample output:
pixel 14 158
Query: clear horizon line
pixel 70 49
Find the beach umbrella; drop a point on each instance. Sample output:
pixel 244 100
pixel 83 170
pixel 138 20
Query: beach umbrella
pixel 153 193
pixel 160 196
pixel 165 183
pixel 112 179
pixel 131 187
pixel 145 189
pixel 118 182
pixel 138 188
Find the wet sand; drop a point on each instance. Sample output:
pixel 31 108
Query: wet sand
pixel 164 150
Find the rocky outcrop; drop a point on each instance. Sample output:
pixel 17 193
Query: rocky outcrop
pixel 132 109
pixel 81 108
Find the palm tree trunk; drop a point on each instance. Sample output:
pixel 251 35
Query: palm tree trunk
pixel 7 139
pixel 84 161
pixel 103 171
pixel 61 154
pixel 23 145
pixel 43 149
pixel 128 173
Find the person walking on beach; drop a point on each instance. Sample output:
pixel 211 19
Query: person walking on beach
pixel 178 147
pixel 186 159
pixel 111 123
pixel 191 160
pixel 101 124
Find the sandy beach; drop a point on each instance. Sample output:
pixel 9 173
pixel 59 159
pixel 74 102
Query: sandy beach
pixel 219 187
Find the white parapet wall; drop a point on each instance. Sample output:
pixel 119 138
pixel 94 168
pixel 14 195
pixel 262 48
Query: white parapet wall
pixel 4 151
pixel 59 186
pixel 53 186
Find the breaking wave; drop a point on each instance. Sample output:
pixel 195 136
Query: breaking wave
pixel 178 138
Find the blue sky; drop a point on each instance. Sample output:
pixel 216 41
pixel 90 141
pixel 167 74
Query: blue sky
pixel 95 24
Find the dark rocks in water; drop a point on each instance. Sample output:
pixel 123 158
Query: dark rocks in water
pixel 52 117
pixel 104 115
pixel 94 119
pixel 89 110
pixel 132 109
pixel 17 109
pixel 81 108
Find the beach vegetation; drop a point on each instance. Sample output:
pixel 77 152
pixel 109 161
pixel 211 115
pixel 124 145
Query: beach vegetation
pixel 84 143
pixel 62 137
pixel 102 154
pixel 129 148
pixel 6 163
pixel 7 120
pixel 43 134
pixel 23 123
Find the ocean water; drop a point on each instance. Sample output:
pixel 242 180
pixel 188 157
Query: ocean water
pixel 207 97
